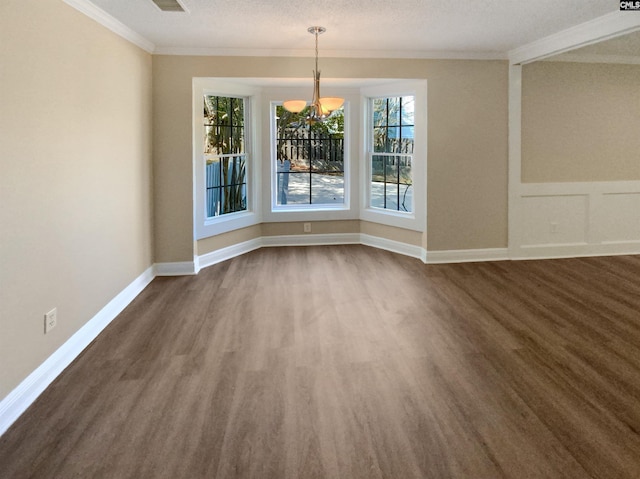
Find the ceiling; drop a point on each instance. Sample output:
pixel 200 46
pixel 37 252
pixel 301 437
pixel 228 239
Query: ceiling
pixel 409 28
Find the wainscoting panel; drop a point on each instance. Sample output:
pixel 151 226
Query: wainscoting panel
pixel 620 217
pixel 576 219
pixel 561 219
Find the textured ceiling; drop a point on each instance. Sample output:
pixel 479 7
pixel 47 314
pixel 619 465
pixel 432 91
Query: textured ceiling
pixel 410 27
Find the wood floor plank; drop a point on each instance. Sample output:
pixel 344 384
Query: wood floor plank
pixel 353 362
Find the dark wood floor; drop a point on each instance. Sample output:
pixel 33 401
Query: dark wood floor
pixel 350 362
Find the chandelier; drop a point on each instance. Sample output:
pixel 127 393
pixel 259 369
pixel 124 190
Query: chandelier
pixel 320 108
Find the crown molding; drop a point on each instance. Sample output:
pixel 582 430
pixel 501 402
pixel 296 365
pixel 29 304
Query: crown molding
pixel 107 21
pixel 407 54
pixel 602 28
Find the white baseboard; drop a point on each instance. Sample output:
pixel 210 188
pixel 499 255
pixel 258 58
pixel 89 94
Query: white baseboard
pixel 182 268
pixel 229 252
pixel 311 239
pixel 393 246
pixel 18 400
pixel 454 256
pixel 467 255
pixel 554 251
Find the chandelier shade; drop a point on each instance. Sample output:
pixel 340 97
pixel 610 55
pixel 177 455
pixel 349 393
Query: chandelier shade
pixel 331 103
pixel 294 106
pixel 320 108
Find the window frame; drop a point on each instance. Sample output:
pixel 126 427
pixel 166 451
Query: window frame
pixel 349 210
pixel 416 219
pixel 206 226
pixel 301 207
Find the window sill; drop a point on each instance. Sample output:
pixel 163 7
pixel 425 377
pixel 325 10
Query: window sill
pixel 224 224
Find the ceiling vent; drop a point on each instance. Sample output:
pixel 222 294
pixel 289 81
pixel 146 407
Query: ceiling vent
pixel 168 5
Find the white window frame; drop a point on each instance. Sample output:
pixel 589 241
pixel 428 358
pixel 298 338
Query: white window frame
pixel 205 226
pixel 275 207
pixel 290 213
pixel 416 219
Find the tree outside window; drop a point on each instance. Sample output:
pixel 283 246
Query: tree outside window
pixel 225 155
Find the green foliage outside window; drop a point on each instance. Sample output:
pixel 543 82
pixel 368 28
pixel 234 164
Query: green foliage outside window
pixel 225 156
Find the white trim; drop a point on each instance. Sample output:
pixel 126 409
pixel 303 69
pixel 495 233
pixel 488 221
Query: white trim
pixel 311 239
pixel 579 188
pixel 18 400
pixel 595 58
pixel 223 254
pixel 109 22
pixel 602 28
pixel 206 226
pixel 272 212
pixel 467 255
pixel 551 251
pixel 515 155
pixel 452 256
pixel 263 52
pixel 181 268
pixel 415 220
pixel 598 218
pixel 393 246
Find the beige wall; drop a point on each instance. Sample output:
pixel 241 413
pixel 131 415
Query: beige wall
pixel 317 227
pixel 580 122
pixel 75 175
pixel 214 243
pixel 467 142
pixel 413 238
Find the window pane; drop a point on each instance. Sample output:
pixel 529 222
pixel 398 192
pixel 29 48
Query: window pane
pixel 238 112
pixel 224 125
pixel 297 191
pixel 377 168
pixel 327 189
pixel 211 140
pixel 406 197
pixel 393 143
pixel 226 185
pixel 379 112
pixel 377 194
pixel 391 194
pixel 393 132
pixel 408 110
pixel 213 184
pixel 391 169
pixel 393 111
pixel 210 110
pixel 405 170
pixel 309 158
pixel 380 140
pixel 406 145
pixel 224 110
pixel 236 141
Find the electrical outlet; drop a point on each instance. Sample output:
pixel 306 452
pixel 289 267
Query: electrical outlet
pixel 554 227
pixel 50 320
pixel 307 227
